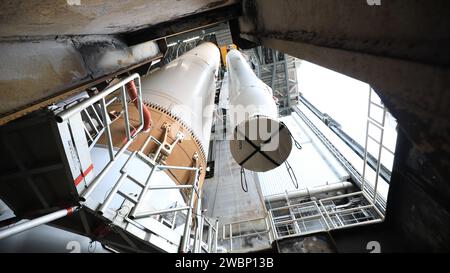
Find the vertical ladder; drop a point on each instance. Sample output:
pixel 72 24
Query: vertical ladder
pixel 377 124
pixel 145 187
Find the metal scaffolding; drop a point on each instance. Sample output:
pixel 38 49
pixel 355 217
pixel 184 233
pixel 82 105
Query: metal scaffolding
pixel 279 71
pixel 88 120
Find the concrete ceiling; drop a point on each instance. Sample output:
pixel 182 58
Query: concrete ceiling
pixel 53 46
pixel 20 18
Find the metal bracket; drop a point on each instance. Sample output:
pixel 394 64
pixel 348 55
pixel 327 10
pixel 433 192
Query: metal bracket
pixel 166 148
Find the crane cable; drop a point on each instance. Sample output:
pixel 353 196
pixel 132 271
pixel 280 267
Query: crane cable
pixel 292 174
pixel 244 180
pixel 296 143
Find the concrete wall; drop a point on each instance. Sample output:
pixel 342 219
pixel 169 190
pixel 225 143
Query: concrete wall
pixel 401 49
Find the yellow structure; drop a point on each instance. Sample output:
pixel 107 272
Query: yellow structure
pixel 223 52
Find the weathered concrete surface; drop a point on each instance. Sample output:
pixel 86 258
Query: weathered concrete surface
pixel 376 238
pixel 401 49
pixel 51 47
pixel 223 195
pixel 83 17
pixel 315 243
pixel 411 30
pixel 32 71
pixel 418 202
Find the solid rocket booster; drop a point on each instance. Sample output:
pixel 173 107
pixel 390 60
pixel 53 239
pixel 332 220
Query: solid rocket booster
pixel 260 142
pixel 180 98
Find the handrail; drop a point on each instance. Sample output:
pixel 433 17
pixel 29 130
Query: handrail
pixel 64 115
pixel 21 227
pixel 268 230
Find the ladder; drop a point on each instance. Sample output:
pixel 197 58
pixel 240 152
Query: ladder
pixel 377 123
pixel 96 122
pixel 136 213
pixel 356 176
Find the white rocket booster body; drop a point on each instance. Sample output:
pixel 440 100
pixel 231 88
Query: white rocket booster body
pixel 186 88
pixel 260 141
pixel 180 98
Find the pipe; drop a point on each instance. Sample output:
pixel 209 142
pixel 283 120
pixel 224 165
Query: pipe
pixel 36 222
pixel 132 92
pixel 155 212
pixel 110 248
pixel 216 234
pixel 311 192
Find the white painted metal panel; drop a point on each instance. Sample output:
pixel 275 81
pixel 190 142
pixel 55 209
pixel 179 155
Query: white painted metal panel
pixel 77 151
pixel 186 88
pixel 313 165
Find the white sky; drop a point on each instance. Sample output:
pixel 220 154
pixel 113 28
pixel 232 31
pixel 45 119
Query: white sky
pixel 346 100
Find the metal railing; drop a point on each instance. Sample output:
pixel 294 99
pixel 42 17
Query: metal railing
pixel 92 123
pixel 97 122
pixel 343 211
pixel 356 176
pixel 100 99
pixel 188 210
pixel 145 187
pixel 210 244
pixel 299 219
pixel 235 235
pixel 91 117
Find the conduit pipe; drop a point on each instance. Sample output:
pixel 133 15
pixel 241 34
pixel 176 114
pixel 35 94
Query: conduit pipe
pixel 132 92
pixel 309 192
pixel 18 228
